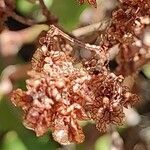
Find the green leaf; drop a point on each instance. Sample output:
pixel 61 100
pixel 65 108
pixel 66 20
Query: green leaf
pixel 9 116
pixel 103 143
pixel 31 9
pixel 38 143
pixel 146 70
pixel 25 7
pixel 68 12
pixel 11 141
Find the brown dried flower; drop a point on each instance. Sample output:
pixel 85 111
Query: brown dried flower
pixel 109 98
pixel 126 30
pixel 56 103
pixel 59 94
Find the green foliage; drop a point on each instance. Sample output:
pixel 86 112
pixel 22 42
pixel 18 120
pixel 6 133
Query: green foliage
pixel 12 141
pixel 146 70
pixel 8 116
pixel 31 8
pixel 103 143
pixel 25 7
pixel 68 12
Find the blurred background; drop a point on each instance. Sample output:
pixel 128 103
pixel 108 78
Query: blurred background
pixel 17 45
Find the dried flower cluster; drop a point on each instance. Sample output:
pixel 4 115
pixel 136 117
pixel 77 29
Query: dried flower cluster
pixel 108 97
pixel 128 22
pixel 60 94
pixel 55 93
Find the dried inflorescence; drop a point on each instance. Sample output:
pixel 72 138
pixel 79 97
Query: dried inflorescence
pixel 132 57
pixel 59 94
pixel 128 22
pixel 56 93
pixel 109 96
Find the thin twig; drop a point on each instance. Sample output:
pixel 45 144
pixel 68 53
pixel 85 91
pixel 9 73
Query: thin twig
pixel 54 31
pixel 100 26
pixel 50 18
pixel 21 19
